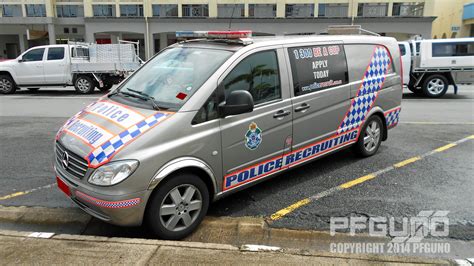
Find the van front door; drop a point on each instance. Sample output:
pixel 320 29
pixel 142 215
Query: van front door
pixel 321 99
pixel 30 69
pixel 253 143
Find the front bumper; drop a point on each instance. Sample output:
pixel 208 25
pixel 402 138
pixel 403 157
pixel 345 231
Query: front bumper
pixel 124 210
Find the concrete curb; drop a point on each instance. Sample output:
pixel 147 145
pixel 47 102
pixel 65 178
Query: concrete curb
pixel 229 248
pixel 43 215
pixel 215 233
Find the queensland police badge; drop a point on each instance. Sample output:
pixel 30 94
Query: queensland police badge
pixel 253 136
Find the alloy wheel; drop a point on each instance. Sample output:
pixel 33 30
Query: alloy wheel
pixel 83 85
pixel 436 86
pixel 5 85
pixel 180 207
pixel 371 136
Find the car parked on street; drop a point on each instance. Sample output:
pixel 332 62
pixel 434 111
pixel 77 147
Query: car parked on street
pixel 430 66
pixel 208 117
pixel 85 66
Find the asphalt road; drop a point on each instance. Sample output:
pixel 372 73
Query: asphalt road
pixel 442 181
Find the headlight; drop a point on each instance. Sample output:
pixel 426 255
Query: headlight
pixel 113 173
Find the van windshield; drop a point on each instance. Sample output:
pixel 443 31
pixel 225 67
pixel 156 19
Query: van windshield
pixel 174 75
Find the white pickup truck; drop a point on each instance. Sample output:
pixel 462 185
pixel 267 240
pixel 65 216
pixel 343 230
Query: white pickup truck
pixel 86 66
pixel 430 66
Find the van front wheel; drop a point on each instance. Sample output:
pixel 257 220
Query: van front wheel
pixel 177 206
pixel 370 137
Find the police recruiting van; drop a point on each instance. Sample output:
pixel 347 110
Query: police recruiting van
pixel 207 117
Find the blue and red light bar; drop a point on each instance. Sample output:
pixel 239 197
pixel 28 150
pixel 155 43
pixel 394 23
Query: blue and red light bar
pixel 215 34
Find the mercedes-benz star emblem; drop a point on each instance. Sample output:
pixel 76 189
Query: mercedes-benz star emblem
pixel 65 160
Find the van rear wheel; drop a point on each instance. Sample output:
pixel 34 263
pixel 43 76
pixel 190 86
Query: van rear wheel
pixel 177 206
pixel 370 137
pixel 84 84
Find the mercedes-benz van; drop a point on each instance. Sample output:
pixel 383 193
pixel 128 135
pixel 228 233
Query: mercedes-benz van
pixel 208 117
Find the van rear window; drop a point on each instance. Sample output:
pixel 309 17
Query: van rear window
pixel 316 68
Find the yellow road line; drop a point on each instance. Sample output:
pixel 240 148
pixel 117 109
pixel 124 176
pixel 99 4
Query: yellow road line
pixel 21 193
pixel 357 181
pixel 407 162
pixel 445 147
pixel 285 211
pixel 277 215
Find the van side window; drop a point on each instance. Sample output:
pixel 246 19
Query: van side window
pixel 257 74
pixel 316 68
pixel 56 53
pixel 33 55
pixel 208 111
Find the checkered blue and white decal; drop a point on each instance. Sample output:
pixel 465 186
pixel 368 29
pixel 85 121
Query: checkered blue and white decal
pixel 372 82
pixel 108 204
pixel 392 117
pixel 105 152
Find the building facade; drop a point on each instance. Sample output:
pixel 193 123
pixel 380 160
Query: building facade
pixel 455 19
pixel 27 23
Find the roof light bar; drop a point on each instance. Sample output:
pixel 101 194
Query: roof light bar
pixel 215 34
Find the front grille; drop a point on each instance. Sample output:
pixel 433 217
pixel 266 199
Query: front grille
pixel 77 165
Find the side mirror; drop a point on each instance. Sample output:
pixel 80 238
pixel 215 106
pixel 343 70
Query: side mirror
pixel 21 60
pixel 238 102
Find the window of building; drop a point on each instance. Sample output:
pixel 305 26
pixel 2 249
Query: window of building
pixel 414 9
pixel 69 11
pixel 56 53
pixel 131 10
pixel 195 11
pixel 299 10
pixel 66 30
pixel 316 68
pixel 257 74
pixel 35 10
pixel 372 10
pixel 262 10
pixel 74 30
pixel 11 11
pixel 453 49
pixel 103 10
pixel 333 10
pixel 165 10
pixel 230 10
pixel 33 55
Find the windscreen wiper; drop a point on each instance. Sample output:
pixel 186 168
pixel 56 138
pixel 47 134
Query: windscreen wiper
pixel 143 96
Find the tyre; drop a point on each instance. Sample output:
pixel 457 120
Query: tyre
pixel 177 206
pixel 435 86
pixel 370 137
pixel 106 87
pixel 7 85
pixel 84 85
pixel 33 89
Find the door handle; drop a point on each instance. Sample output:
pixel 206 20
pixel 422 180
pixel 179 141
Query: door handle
pixel 280 114
pixel 302 107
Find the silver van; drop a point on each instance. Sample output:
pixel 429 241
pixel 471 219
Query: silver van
pixel 208 117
